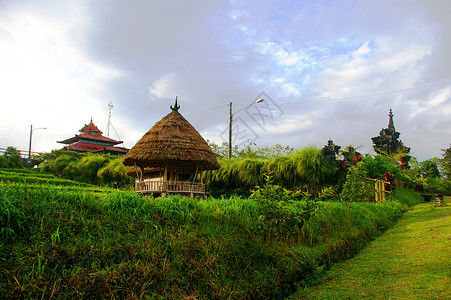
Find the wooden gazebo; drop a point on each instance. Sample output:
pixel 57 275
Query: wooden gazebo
pixel 171 158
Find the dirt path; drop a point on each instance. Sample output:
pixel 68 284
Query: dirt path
pixel 410 261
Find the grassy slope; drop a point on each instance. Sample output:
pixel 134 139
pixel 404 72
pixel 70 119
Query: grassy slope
pixel 77 244
pixel 410 261
pixel 34 178
pixel 71 241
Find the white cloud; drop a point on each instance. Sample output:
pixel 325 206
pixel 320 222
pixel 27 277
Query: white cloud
pixel 363 51
pixel 435 104
pixel 164 86
pixel 290 124
pixel 283 57
pixel 62 62
pixel 47 79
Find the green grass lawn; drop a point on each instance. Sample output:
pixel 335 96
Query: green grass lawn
pixel 412 260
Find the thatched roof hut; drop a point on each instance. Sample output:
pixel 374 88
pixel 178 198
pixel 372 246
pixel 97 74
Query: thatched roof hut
pixel 172 146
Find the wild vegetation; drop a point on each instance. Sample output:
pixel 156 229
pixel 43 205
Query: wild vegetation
pixel 279 218
pixel 311 170
pixel 99 169
pixel 11 158
pixel 76 243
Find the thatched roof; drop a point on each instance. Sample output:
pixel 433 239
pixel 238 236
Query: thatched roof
pixel 172 140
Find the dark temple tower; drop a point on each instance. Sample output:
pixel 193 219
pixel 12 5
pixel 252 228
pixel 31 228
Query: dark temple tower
pixel 388 142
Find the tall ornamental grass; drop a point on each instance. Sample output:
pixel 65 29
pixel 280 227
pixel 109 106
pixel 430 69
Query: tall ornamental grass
pixel 306 168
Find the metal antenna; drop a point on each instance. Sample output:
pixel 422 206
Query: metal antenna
pixel 110 108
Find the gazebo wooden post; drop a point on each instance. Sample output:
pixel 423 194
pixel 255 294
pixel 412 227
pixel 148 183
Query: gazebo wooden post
pixel 201 176
pixel 202 181
pixel 165 178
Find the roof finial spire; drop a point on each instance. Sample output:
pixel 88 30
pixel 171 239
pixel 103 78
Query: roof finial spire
pixel 391 124
pixel 176 107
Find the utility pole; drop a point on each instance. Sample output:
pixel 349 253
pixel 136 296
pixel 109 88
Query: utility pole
pixel 230 131
pixel 231 120
pixel 29 145
pixel 31 137
pixel 110 108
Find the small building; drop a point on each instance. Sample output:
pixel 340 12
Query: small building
pixel 171 158
pixel 388 142
pixel 91 139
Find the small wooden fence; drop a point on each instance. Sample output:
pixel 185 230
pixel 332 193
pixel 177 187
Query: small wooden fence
pixel 381 188
pixel 170 187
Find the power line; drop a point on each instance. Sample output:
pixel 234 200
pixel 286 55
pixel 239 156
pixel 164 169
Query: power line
pixel 190 114
pixel 319 101
pixel 203 111
pixel 368 95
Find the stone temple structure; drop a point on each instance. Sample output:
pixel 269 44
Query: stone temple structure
pixel 388 142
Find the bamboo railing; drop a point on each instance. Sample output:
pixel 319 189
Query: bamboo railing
pixel 171 187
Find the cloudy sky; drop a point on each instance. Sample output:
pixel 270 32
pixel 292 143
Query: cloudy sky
pixel 327 70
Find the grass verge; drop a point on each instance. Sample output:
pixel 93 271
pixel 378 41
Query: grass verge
pixel 74 243
pixel 410 261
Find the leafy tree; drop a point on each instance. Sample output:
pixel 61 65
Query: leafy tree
pixel 275 151
pixel 381 164
pixel 429 168
pixel 356 187
pixel 445 162
pixel 3 162
pixel 12 158
pixel 251 150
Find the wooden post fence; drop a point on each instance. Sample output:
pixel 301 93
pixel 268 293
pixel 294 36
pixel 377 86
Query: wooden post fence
pixel 379 189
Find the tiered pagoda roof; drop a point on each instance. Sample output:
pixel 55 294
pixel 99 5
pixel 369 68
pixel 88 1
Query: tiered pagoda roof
pixel 91 139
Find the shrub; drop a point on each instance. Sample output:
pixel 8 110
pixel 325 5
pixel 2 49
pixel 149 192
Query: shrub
pixel 103 169
pixel 313 166
pixel 284 171
pixel 3 162
pixel 89 165
pixel 357 188
pixel 11 158
pixel 436 185
pixel 114 174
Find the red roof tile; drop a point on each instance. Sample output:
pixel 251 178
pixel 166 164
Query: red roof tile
pixel 90 132
pixel 85 147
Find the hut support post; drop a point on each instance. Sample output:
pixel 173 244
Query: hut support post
pixel 165 178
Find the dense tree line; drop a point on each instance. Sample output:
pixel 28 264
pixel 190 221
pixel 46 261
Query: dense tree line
pixel 329 172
